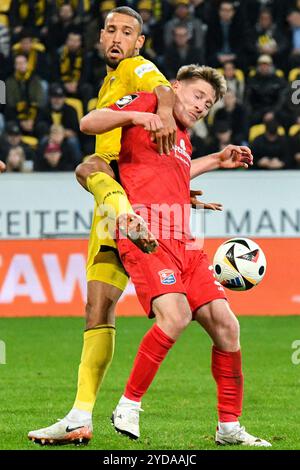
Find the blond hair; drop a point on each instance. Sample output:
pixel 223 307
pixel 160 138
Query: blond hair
pixel 203 72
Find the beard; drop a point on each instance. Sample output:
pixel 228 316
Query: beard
pixel 113 64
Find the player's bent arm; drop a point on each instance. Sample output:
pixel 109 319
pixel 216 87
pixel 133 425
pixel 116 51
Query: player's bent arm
pixel 2 167
pixel 104 120
pixel 166 138
pixel 204 164
pixel 165 99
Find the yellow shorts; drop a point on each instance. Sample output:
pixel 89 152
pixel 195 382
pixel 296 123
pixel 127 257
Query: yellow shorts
pixel 103 263
pixel 106 157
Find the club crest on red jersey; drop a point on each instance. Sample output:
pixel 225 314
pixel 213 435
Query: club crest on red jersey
pixel 126 100
pixel 167 277
pixel 182 144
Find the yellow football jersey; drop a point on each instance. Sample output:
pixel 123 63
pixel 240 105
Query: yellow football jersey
pixel 131 75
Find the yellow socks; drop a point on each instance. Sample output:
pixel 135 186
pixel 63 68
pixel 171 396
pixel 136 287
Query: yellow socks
pixel 109 193
pixel 97 354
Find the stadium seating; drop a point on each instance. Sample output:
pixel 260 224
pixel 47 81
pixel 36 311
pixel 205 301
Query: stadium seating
pixel 278 72
pixel 31 141
pixel 4 10
pixel 294 74
pixel 92 104
pixel 239 74
pixel 293 130
pixel 77 105
pixel 259 129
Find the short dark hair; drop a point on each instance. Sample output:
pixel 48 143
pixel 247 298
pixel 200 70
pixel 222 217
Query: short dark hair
pixel 129 12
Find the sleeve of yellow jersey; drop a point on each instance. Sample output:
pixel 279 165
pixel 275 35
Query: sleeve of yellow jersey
pixel 143 75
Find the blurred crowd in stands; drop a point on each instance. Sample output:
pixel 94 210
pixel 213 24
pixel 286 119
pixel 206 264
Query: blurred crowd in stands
pixel 53 67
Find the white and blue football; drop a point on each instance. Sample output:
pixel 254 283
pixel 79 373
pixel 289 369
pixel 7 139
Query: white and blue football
pixel 239 264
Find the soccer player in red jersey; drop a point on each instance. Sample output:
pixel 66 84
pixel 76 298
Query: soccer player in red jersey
pixel 176 283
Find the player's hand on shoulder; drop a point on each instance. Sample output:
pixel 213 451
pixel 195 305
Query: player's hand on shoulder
pixel 2 167
pixel 235 156
pixel 166 137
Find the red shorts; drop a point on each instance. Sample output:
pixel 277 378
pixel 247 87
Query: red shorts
pixel 173 268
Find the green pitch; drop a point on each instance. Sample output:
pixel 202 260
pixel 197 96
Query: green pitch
pixel 38 384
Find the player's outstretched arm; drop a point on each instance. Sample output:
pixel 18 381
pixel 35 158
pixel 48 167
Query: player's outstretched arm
pixel 104 120
pixel 231 157
pixel 2 167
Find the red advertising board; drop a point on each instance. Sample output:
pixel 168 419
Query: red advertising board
pixel 47 278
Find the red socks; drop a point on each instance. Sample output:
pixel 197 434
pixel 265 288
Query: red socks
pixel 227 372
pixel 226 369
pixel 152 351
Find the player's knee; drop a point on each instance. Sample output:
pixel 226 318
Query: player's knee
pixel 232 327
pixel 224 322
pixel 81 174
pixel 83 170
pixel 95 316
pixel 183 319
pixel 91 317
pixel 173 313
pixel 94 164
pixel 179 319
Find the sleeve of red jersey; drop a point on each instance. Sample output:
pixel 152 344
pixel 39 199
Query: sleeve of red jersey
pixel 140 101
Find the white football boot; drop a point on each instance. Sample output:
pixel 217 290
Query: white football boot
pixel 65 431
pixel 125 419
pixel 238 435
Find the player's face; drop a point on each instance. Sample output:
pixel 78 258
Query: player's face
pixel 194 99
pixel 121 38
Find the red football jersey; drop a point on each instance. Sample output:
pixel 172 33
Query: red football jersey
pixel 158 186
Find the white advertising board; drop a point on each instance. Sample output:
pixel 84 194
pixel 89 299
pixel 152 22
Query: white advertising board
pixel 256 204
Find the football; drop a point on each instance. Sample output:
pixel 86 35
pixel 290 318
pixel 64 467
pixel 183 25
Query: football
pixel 239 264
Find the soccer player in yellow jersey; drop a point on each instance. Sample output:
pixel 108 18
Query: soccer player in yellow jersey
pixel 127 72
